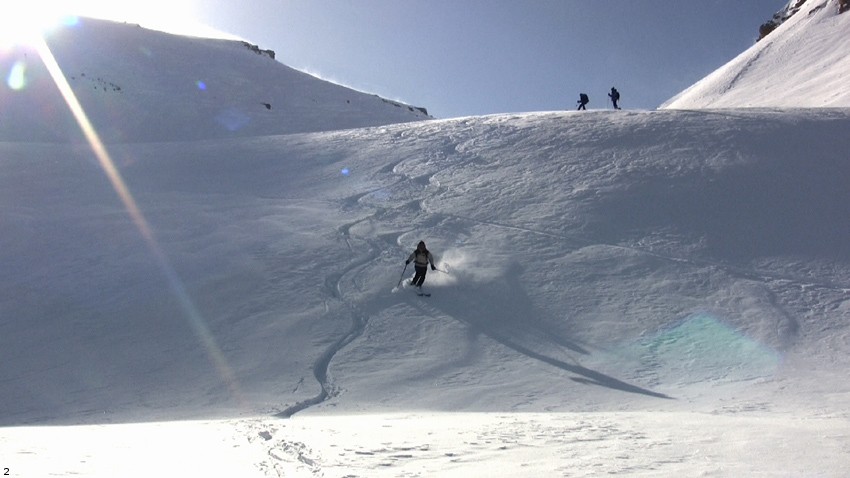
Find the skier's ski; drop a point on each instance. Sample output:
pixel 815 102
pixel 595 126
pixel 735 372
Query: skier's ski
pixel 423 294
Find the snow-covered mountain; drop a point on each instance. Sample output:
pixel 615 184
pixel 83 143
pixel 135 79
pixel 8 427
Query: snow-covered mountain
pixel 626 293
pixel 143 85
pixel 804 62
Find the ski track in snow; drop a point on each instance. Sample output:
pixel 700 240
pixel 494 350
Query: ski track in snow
pixel 360 319
pixel 420 176
pixel 581 296
pixel 576 438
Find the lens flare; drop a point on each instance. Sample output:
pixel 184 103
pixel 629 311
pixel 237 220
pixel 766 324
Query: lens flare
pixel 69 20
pixel 107 164
pixel 233 119
pixel 17 79
pixel 703 348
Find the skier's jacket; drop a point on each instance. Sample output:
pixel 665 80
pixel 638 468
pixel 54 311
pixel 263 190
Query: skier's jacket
pixel 421 258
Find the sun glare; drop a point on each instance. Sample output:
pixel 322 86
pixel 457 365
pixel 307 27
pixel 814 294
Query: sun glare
pixel 23 22
pixel 114 175
pixel 26 22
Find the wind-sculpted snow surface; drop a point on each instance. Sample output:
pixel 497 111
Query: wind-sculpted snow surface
pixel 638 262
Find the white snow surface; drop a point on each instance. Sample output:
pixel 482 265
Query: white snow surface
pixel 805 62
pixel 140 85
pixel 620 293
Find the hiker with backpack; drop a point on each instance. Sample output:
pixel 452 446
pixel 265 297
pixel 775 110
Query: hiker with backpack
pixel 615 97
pixel 582 101
pixel 421 257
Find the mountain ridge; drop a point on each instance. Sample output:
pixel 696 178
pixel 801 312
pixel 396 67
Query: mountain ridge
pixel 803 63
pixel 138 76
pixel 622 293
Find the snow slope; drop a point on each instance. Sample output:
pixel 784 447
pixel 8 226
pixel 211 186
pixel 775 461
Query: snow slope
pixel 142 85
pixel 632 293
pixel 660 262
pixel 803 63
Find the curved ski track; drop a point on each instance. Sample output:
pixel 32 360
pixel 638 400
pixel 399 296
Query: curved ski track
pixel 455 154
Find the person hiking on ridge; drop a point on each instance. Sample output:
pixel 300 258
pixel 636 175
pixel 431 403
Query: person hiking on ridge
pixel 615 97
pixel 421 257
pixel 582 101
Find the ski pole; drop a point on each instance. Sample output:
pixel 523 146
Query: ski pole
pixel 402 275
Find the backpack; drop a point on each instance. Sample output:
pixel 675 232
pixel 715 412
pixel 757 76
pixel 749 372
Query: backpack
pixel 583 97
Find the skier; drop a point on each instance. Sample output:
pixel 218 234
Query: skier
pixel 582 101
pixel 421 257
pixel 615 97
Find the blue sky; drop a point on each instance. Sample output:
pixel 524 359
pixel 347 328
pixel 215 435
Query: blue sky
pixel 473 57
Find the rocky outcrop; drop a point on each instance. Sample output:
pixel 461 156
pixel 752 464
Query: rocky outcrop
pixel 780 17
pixel 792 8
pixel 256 49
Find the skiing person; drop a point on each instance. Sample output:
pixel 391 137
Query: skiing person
pixel 615 97
pixel 582 101
pixel 421 257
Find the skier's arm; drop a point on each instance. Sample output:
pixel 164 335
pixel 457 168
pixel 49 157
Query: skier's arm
pixel 410 257
pixel 431 260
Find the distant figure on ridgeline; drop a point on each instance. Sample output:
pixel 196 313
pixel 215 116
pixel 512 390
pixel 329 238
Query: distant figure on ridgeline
pixel 615 97
pixel 583 100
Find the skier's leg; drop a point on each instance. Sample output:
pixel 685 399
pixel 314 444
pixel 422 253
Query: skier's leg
pixel 420 276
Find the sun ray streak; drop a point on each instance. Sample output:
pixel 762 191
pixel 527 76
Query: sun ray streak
pixel 104 159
